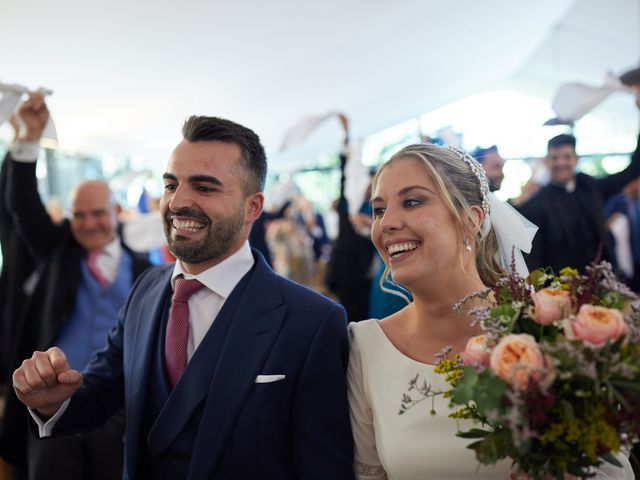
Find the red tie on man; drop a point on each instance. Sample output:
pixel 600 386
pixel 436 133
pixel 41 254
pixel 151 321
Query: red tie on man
pixel 177 334
pixel 92 264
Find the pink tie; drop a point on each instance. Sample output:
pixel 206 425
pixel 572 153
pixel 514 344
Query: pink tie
pixel 177 334
pixel 92 264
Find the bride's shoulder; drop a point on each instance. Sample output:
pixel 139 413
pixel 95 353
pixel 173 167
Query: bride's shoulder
pixel 372 331
pixel 362 331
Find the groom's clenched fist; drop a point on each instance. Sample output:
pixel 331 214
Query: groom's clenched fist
pixel 44 381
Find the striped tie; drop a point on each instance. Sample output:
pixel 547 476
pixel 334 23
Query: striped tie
pixel 177 334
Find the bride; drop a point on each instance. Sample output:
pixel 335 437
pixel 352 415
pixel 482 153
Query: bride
pixel 433 227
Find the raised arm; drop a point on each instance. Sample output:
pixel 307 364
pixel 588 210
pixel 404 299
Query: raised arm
pixel 612 184
pixel 33 224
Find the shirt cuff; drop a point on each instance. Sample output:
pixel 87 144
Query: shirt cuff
pixel 25 152
pixel 45 428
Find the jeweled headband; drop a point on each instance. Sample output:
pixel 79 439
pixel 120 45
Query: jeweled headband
pixel 478 171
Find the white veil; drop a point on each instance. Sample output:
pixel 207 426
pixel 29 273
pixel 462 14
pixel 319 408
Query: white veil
pixel 513 232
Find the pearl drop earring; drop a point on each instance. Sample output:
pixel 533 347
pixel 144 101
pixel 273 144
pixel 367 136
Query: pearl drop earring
pixel 467 245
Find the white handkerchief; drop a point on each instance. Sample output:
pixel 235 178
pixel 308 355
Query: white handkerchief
pixel 269 378
pixel 8 105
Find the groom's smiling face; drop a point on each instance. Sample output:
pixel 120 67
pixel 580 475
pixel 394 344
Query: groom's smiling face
pixel 206 212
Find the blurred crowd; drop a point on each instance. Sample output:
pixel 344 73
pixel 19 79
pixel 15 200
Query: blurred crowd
pixel 580 219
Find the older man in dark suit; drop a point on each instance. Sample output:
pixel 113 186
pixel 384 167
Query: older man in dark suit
pixel 84 275
pixel 227 370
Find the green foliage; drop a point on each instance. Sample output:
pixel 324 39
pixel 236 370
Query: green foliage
pixel 484 389
pixel 494 447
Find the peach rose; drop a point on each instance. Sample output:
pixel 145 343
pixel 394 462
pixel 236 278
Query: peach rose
pixel 476 351
pixel 551 305
pixel 595 325
pixel 517 359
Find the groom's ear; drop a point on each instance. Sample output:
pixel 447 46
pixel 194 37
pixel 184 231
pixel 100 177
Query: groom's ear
pixel 254 204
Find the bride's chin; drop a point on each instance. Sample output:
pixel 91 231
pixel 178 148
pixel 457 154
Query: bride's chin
pixel 403 280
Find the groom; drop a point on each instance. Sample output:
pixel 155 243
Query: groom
pixel 226 370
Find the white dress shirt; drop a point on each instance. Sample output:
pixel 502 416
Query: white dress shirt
pixel 219 282
pixel 108 260
pixel 25 152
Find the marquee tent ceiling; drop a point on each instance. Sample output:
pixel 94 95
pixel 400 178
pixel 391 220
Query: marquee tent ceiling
pixel 126 74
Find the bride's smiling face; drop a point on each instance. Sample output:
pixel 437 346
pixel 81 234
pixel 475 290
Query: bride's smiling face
pixel 413 229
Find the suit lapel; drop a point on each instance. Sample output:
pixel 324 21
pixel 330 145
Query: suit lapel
pixel 254 329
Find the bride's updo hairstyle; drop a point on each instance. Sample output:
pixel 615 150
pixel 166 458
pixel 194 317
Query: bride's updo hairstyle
pixel 461 184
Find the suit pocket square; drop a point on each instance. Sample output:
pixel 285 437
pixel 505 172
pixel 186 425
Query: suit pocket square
pixel 269 378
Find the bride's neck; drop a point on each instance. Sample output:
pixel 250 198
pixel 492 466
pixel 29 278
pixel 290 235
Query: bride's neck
pixel 434 308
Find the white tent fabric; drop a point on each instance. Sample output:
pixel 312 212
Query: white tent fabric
pixel 126 74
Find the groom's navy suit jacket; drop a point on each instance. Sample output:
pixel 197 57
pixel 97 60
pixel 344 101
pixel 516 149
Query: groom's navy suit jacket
pixel 218 423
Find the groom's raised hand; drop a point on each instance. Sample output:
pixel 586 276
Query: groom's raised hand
pixel 44 381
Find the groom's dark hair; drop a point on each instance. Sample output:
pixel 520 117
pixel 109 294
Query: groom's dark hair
pixel 253 159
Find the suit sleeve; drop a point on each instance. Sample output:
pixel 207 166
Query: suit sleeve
pixel 33 223
pixel 5 216
pixel 612 184
pixel 322 440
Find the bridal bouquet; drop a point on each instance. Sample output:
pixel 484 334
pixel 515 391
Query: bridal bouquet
pixel 554 380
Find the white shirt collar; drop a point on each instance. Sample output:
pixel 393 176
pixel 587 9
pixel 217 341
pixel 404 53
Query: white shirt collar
pixel 223 277
pixel 570 186
pixel 108 261
pixel 113 248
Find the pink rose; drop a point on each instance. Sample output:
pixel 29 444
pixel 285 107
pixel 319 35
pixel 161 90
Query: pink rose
pixel 551 305
pixel 517 359
pixel 595 325
pixel 476 351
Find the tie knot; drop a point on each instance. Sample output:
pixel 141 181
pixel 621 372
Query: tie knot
pixel 185 288
pixel 92 255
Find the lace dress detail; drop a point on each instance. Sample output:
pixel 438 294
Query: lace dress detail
pixel 362 470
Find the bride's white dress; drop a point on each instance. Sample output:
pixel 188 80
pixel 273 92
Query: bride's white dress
pixel 414 445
